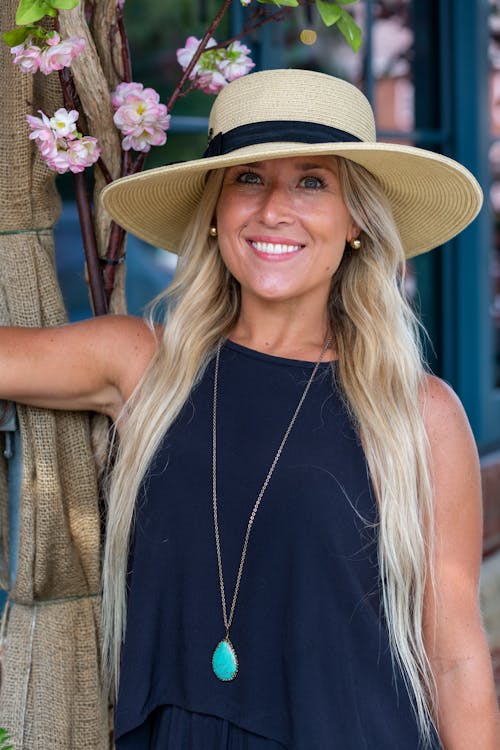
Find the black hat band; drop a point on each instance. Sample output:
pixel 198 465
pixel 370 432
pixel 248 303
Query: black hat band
pixel 274 131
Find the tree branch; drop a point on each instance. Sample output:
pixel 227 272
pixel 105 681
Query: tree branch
pixel 280 15
pixel 119 26
pixel 96 284
pixel 201 48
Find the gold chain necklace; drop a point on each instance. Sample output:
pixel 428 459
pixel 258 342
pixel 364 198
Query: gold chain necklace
pixel 224 658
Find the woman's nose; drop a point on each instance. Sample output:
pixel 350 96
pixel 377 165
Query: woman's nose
pixel 276 207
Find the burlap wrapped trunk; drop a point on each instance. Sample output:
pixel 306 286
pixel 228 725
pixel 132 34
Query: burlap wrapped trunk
pixel 51 693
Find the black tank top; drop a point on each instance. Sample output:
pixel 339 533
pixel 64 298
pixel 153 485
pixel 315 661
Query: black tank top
pixel 315 670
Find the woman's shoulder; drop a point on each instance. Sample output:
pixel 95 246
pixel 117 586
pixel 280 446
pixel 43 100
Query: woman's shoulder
pixel 443 413
pixel 453 452
pixel 120 346
pixel 123 325
pixel 118 333
pixel 131 342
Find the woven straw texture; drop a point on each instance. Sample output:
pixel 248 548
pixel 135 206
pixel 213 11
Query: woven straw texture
pixel 51 695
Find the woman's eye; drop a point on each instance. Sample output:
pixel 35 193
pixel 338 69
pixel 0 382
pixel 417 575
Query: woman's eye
pixel 248 178
pixel 314 183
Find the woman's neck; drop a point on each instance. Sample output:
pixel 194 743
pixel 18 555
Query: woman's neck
pixel 283 332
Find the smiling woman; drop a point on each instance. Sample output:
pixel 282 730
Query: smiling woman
pixel 283 227
pixel 294 526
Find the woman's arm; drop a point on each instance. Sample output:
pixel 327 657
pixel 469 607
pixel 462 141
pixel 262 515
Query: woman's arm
pixel 468 714
pixel 93 365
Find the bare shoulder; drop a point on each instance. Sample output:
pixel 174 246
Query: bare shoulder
pixel 113 338
pixel 133 336
pixel 125 343
pixel 444 415
pixel 455 469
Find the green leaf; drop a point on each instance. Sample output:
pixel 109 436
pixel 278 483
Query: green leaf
pixel 63 5
pixel 13 38
pixel 288 3
pixel 351 31
pixel 4 738
pixel 329 12
pixel 30 11
pixel 347 2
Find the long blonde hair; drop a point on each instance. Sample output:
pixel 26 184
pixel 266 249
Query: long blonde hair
pixel 380 373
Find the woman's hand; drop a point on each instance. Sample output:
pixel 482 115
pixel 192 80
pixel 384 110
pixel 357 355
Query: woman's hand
pixel 94 365
pixel 468 714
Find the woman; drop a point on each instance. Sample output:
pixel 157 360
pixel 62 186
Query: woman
pixel 296 501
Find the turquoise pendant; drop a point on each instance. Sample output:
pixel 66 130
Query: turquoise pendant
pixel 225 661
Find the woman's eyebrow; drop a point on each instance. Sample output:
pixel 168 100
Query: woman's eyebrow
pixel 252 164
pixel 314 165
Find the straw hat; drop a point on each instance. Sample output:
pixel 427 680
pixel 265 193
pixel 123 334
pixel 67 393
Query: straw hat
pixel 280 113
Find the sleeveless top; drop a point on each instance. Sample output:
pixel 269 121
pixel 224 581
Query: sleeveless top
pixel 315 669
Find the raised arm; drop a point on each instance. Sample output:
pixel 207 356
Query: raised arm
pixel 93 365
pixel 456 643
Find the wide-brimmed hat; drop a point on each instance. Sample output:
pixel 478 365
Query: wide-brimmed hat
pixel 282 113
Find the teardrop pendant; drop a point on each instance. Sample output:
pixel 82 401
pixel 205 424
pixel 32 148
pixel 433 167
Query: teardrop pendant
pixel 225 661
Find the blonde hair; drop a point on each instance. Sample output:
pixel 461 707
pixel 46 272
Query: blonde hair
pixel 380 373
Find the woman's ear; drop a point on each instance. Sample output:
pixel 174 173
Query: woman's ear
pixel 353 233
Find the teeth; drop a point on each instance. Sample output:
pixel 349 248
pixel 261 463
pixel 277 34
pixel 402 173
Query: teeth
pixel 275 249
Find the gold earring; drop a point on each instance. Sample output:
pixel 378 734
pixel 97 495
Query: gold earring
pixel 212 231
pixel 355 244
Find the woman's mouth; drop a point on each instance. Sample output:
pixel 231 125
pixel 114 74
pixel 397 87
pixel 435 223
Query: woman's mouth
pixel 274 248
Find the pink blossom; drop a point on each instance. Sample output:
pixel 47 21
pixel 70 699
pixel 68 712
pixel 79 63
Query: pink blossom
pixel 186 54
pixel 42 132
pixel 215 67
pixel 82 153
pixel 27 56
pixel 63 123
pixel 74 156
pixel 59 161
pixel 60 55
pixel 53 39
pixel 62 148
pixel 122 91
pixel 237 63
pixel 139 116
pixel 54 55
pixel 210 81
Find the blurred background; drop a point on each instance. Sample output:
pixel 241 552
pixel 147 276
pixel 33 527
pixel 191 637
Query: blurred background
pixel 431 69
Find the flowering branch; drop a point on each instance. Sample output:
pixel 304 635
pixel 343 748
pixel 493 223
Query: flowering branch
pixel 199 51
pixel 99 300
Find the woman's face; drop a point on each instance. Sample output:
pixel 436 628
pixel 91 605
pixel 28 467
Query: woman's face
pixel 282 226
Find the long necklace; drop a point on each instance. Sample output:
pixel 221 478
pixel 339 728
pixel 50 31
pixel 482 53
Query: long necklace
pixel 224 658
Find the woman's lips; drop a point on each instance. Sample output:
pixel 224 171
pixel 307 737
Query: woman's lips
pixel 275 250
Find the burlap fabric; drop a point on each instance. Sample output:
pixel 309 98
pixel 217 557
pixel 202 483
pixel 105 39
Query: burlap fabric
pixel 51 695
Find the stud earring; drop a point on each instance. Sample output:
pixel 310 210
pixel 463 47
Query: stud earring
pixel 212 231
pixel 355 244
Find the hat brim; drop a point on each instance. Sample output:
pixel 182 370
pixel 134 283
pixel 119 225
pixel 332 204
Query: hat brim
pixel 432 197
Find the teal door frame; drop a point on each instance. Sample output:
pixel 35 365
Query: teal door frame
pixel 468 266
